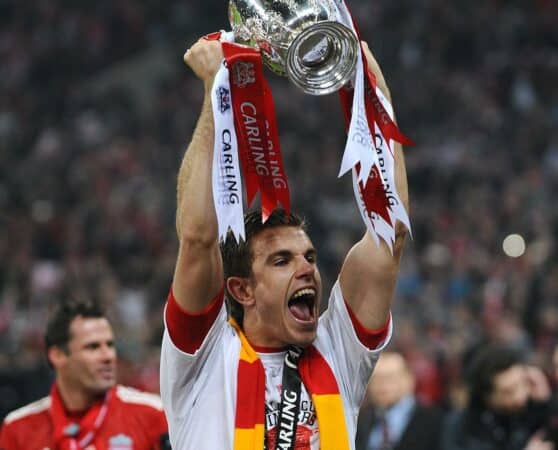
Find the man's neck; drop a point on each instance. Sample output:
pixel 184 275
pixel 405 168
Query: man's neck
pixel 75 400
pixel 259 341
pixel 264 349
pixel 403 405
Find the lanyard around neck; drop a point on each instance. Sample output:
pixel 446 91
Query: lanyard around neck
pixel 290 402
pixel 72 430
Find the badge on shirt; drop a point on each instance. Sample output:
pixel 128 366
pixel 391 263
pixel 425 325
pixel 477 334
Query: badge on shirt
pixel 120 442
pixel 71 430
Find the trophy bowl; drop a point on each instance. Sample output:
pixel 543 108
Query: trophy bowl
pixel 302 39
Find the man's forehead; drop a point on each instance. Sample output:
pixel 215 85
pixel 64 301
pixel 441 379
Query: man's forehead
pixel 390 363
pixel 284 237
pixel 86 328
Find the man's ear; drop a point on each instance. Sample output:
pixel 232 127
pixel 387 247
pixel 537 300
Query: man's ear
pixel 241 290
pixel 57 356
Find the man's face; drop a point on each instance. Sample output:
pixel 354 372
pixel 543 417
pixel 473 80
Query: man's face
pixel 285 286
pixel 391 381
pixel 510 390
pixel 90 363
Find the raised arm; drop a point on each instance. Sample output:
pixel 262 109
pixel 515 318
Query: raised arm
pixel 198 275
pixel 369 272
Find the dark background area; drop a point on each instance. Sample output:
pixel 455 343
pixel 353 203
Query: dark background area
pixel 96 108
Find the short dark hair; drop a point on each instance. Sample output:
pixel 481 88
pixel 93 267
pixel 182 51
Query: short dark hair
pixel 238 256
pixel 58 326
pixel 485 364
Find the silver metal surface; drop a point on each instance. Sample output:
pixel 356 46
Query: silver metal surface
pixel 302 39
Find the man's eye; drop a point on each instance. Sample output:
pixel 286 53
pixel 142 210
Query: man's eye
pixel 280 262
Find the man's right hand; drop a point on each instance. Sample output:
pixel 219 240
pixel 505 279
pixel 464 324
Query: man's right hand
pixel 204 58
pixel 538 443
pixel 539 385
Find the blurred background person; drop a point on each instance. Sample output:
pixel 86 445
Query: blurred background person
pixel 391 417
pixel 508 408
pixel 551 429
pixel 86 409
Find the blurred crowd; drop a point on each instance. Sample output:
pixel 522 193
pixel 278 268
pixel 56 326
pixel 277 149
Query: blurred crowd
pixel 96 108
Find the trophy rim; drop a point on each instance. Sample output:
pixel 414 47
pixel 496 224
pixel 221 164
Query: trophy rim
pixel 333 82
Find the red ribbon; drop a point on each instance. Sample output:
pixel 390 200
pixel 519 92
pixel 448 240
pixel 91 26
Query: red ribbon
pixel 256 128
pixel 373 194
pixel 375 111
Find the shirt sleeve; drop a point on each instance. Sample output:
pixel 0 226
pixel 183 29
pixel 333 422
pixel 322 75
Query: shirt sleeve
pixel 188 330
pixel 189 344
pixel 371 339
pixel 350 349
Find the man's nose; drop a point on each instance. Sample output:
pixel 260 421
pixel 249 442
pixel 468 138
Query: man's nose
pixel 305 268
pixel 108 353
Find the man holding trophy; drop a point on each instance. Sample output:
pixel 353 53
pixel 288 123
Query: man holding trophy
pixel 246 362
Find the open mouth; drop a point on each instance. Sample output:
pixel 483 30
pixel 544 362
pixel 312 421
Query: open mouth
pixel 301 304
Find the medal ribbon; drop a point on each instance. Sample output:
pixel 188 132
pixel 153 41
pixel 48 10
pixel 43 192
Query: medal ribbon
pixel 290 401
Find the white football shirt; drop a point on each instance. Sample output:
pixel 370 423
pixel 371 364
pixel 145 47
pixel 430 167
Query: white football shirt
pixel 199 390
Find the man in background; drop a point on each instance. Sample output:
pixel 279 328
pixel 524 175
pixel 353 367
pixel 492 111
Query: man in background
pixel 551 428
pixel 391 417
pixel 85 408
pixel 509 405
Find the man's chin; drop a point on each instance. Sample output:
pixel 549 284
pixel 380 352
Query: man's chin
pixel 103 386
pixel 304 339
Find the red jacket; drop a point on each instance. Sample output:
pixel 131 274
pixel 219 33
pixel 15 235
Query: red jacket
pixel 134 421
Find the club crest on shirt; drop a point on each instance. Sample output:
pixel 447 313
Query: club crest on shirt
pixel 120 442
pixel 71 430
pixel 224 99
pixel 243 74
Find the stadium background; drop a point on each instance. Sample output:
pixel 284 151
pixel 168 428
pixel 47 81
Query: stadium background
pixel 96 108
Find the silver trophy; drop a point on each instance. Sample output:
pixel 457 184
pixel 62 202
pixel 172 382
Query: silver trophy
pixel 302 39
